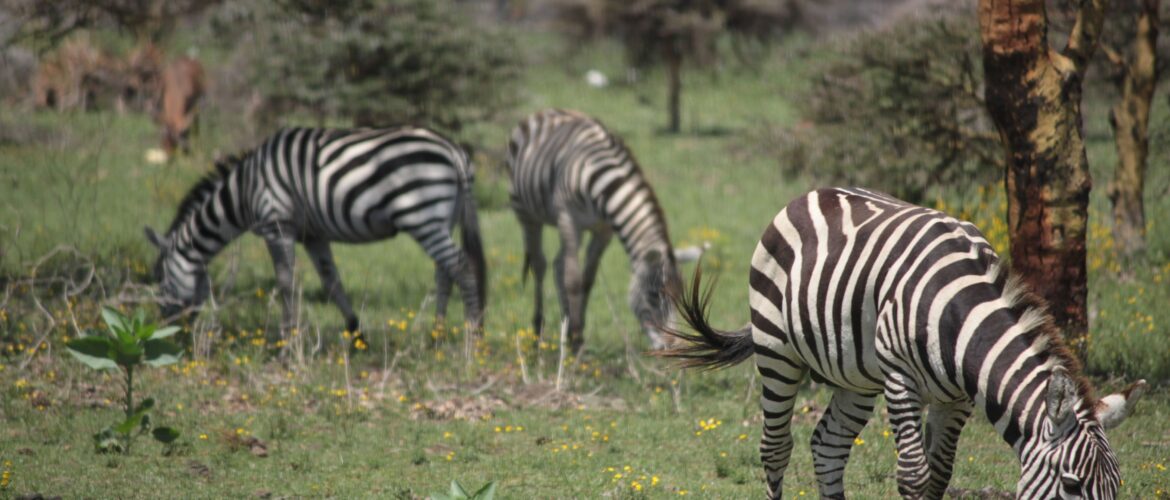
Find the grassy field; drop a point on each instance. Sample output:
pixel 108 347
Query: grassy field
pixel 419 409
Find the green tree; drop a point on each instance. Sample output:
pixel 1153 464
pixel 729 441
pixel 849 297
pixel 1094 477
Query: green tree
pixel 900 110
pixel 673 31
pixel 382 62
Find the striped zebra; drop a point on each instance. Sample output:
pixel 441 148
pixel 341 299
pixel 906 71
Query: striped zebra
pixel 872 295
pixel 316 186
pixel 570 172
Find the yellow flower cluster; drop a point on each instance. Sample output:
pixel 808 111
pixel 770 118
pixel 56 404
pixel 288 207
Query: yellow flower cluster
pixel 708 425
pixel 509 429
pixel 637 480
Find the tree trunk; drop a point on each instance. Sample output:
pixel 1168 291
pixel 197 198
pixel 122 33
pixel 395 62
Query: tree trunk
pixel 1034 96
pixel 1130 119
pixel 674 61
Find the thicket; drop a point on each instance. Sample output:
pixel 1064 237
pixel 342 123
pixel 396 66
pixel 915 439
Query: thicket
pixel 375 62
pixel 899 110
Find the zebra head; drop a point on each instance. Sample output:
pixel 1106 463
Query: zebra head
pixel 182 283
pixel 654 281
pixel 1073 458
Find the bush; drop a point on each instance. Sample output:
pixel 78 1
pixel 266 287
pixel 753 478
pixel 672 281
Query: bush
pixel 900 110
pixel 382 62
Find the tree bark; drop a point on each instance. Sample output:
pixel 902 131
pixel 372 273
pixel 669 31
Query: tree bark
pixel 1130 119
pixel 1033 94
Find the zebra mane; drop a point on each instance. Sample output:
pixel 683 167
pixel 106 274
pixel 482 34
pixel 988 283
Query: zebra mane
pixel 1040 329
pixel 203 189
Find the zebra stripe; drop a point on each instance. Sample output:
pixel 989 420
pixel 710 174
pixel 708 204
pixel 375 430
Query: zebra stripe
pixel 568 171
pixel 316 186
pixel 872 295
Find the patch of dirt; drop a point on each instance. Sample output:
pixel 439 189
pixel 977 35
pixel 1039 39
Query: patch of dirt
pixel 546 396
pixel 981 494
pixel 198 469
pixel 457 408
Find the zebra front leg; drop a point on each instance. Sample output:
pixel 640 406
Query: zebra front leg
pixel 281 248
pixel 905 408
pixel 322 256
pixel 570 285
pixel 593 253
pixel 832 440
pixel 944 423
pixel 781 376
pixel 534 259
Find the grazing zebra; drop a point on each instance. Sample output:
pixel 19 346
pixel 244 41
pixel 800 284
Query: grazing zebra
pixel 570 172
pixel 315 186
pixel 873 295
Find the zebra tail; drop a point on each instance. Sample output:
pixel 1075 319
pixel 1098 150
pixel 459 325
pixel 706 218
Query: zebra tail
pixel 708 348
pixel 473 244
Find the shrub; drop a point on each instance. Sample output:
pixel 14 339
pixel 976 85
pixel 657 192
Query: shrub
pixel 382 62
pixel 900 110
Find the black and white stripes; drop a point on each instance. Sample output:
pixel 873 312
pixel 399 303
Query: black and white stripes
pixel 570 172
pixel 872 295
pixel 315 186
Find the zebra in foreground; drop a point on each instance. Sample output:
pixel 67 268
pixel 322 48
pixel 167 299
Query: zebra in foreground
pixel 872 295
pixel 570 172
pixel 316 186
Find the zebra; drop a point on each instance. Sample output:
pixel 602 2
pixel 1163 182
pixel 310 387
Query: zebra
pixel 872 295
pixel 569 171
pixel 316 186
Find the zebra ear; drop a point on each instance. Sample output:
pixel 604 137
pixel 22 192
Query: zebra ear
pixel 1114 408
pixel 1061 398
pixel 159 242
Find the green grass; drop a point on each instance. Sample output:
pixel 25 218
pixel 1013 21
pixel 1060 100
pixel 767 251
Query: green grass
pixel 355 427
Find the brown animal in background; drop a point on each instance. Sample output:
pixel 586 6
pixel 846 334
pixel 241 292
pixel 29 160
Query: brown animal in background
pixel 182 87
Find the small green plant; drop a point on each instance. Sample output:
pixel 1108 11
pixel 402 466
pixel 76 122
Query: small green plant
pixel 129 342
pixel 458 493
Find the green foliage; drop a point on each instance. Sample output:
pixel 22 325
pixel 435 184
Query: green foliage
pixel 383 62
pixel 899 110
pixel 457 492
pixel 128 342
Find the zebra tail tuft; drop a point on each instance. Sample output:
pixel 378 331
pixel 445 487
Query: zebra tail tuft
pixel 708 348
pixel 473 244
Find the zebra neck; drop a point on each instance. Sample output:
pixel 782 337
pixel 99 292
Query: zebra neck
pixel 1019 412
pixel 210 228
pixel 642 232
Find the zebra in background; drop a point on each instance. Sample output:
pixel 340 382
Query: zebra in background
pixel 316 186
pixel 568 171
pixel 872 295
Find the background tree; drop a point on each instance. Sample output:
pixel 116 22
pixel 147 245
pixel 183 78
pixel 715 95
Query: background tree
pixel 671 32
pixel 50 22
pixel 900 110
pixel 379 62
pixel 1130 44
pixel 1034 96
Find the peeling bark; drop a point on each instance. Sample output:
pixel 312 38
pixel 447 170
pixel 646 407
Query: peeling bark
pixel 1033 94
pixel 1130 119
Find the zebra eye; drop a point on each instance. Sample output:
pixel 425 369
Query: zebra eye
pixel 1071 483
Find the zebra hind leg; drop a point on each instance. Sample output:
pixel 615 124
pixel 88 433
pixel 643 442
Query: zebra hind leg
pixel 443 284
pixel 834 436
pixel 944 423
pixel 781 376
pixel 905 408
